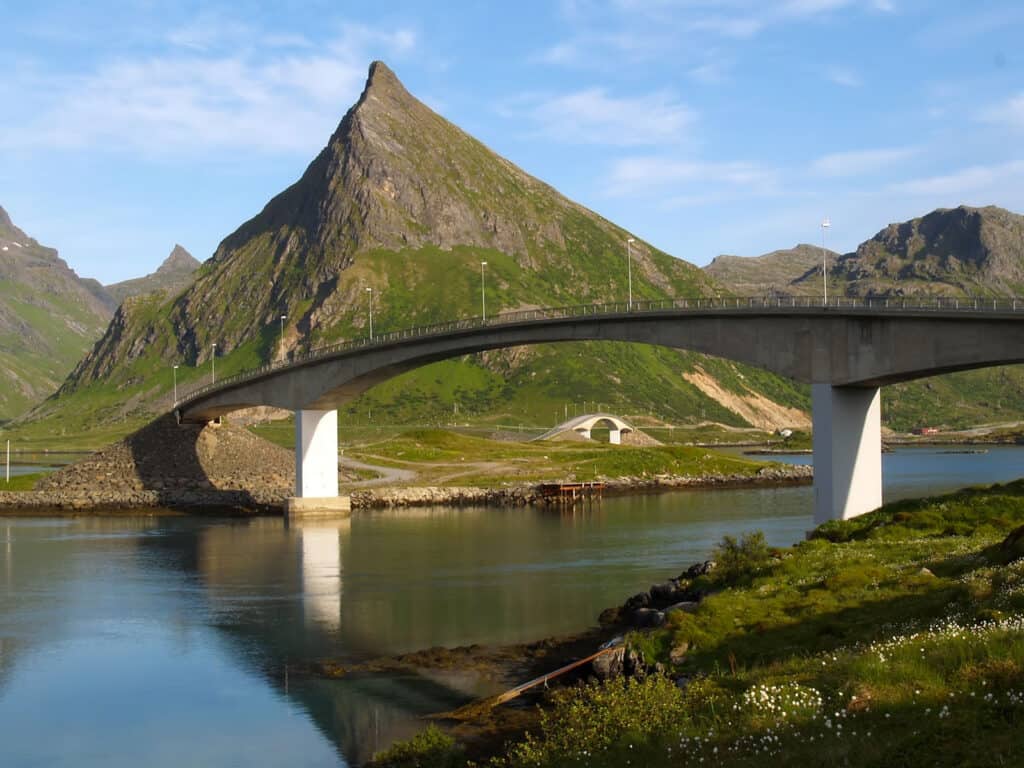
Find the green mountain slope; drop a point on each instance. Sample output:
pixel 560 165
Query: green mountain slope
pixel 171 277
pixel 49 317
pixel 405 203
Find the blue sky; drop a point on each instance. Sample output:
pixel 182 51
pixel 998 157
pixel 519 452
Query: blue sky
pixel 703 126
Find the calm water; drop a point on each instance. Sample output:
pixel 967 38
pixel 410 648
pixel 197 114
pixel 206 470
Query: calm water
pixel 170 641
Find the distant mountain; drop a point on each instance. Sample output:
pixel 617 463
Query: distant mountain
pixel 949 252
pixel 404 202
pixel 49 318
pixel 776 272
pixel 171 277
pixel 955 252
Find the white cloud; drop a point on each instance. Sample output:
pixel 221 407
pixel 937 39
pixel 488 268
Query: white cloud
pixel 812 7
pixel 591 116
pixel 272 98
pixel 691 178
pixel 987 180
pixel 651 29
pixel 844 77
pixel 860 162
pixel 740 27
pixel 710 72
pixel 1010 112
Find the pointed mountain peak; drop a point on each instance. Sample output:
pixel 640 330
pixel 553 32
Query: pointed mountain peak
pixel 179 260
pixel 5 220
pixel 381 76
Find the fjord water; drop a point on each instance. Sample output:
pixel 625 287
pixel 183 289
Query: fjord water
pixel 170 640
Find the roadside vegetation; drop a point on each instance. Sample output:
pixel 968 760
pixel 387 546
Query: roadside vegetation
pixel 444 457
pixel 896 638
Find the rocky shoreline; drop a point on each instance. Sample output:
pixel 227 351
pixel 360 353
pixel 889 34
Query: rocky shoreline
pixel 87 494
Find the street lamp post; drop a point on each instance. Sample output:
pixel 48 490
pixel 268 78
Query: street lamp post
pixel 629 269
pixel 483 295
pixel 281 344
pixel 825 224
pixel 213 364
pixel 174 373
pixel 370 292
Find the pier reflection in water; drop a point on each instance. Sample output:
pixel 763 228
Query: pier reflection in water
pixel 171 640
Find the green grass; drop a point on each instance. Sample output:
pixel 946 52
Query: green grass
pixel 22 482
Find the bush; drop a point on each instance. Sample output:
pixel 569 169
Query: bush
pixel 740 561
pixel 430 748
pixel 591 725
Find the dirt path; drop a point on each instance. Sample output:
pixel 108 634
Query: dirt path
pixel 424 470
pixel 388 475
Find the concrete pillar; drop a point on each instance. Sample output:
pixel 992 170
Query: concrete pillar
pixel 615 436
pixel 847 451
pixel 316 465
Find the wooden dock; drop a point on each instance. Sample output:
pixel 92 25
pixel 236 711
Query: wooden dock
pixel 570 493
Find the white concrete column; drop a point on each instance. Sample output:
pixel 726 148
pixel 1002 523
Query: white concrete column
pixel 847 451
pixel 316 466
pixel 316 454
pixel 615 436
pixel 584 432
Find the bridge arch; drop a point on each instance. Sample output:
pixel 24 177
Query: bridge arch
pixel 584 425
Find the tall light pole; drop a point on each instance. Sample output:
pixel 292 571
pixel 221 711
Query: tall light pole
pixel 483 295
pixel 825 224
pixel 370 292
pixel 174 373
pixel 281 343
pixel 629 269
pixel 213 364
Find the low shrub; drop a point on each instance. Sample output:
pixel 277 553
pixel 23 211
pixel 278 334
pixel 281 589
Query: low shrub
pixel 430 748
pixel 739 561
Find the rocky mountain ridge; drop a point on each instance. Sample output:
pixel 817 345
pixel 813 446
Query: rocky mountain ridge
pixel 962 251
pixel 49 316
pixel 173 275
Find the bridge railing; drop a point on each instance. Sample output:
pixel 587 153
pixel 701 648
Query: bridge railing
pixel 781 304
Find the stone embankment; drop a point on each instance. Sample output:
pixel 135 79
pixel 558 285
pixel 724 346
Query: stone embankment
pixel 171 466
pixel 782 474
pixel 521 495
pixel 515 496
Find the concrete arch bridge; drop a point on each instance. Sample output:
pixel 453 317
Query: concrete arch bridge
pixel 845 349
pixel 583 425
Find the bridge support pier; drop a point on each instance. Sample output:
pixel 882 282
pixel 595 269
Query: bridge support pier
pixel 847 451
pixel 615 437
pixel 316 467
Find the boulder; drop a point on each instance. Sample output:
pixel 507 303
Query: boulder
pixel 639 600
pixel 647 617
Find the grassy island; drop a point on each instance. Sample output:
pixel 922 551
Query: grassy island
pixel 894 639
